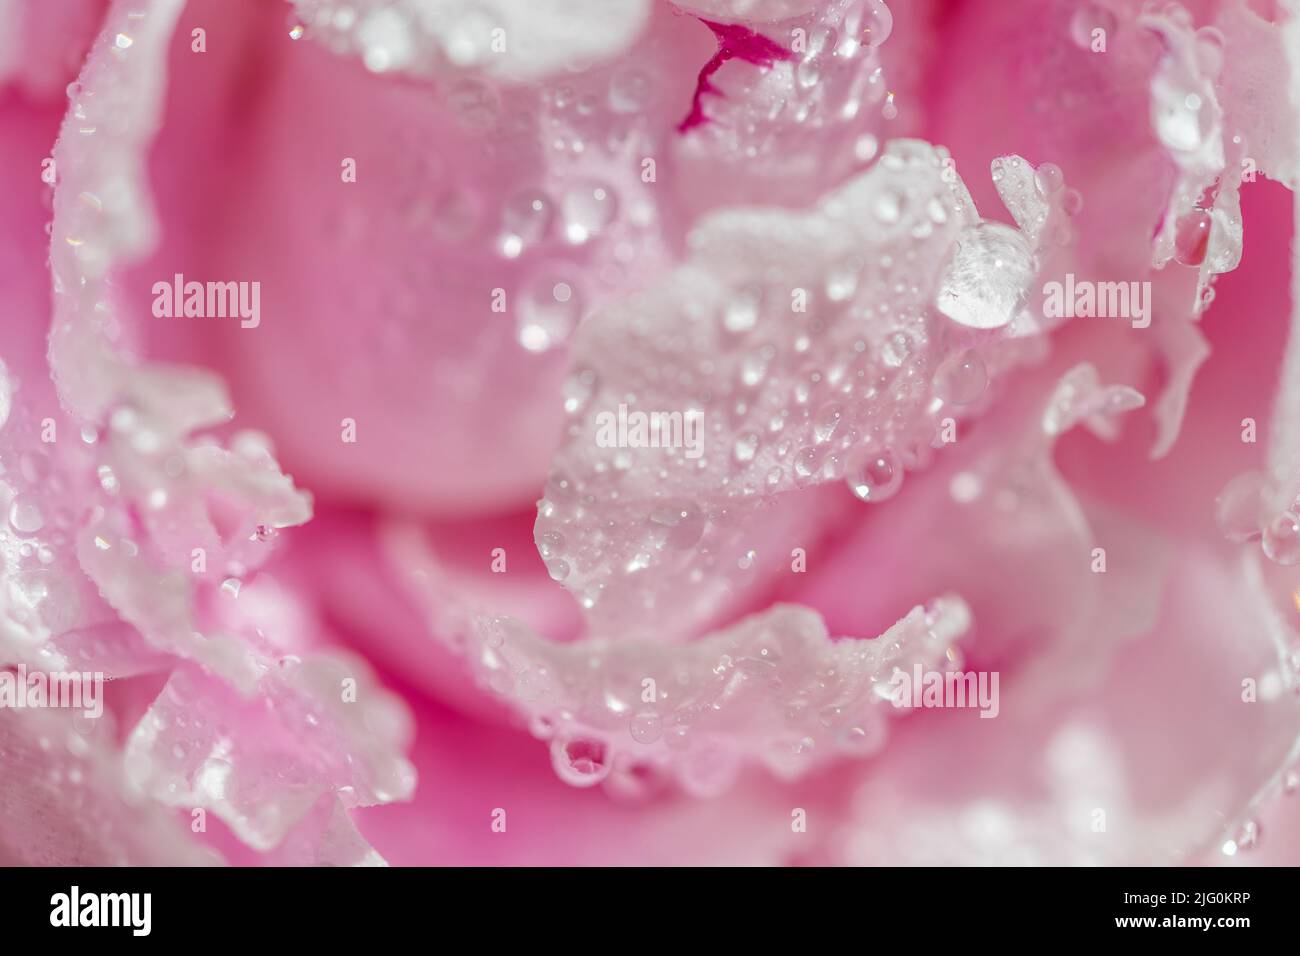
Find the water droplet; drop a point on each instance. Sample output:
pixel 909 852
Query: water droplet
pixel 1192 237
pixel 587 210
pixel 741 312
pixel 1049 179
pixel 828 417
pixel 1238 507
pixel 580 761
pixel 865 148
pixel 874 476
pixel 864 737
pixel 877 25
pixel 548 312
pixel 558 569
pixel 806 462
pixel 1245 838
pixel 25 515
pixel 679 524
pixel 646 727
pixel 1186 120
pixel 808 74
pixel 888 206
pixel 745 446
pixel 985 281
pixel 896 349
pixel 577 390
pixel 1282 539
pixel 961 378
pixel 386 41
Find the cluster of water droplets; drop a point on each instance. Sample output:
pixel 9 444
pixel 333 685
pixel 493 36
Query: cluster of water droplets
pixel 169 518
pixel 1248 510
pixel 774 689
pixel 832 345
pixel 428 38
pixel 1202 227
pixel 42 592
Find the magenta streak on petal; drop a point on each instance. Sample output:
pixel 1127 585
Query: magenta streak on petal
pixel 734 41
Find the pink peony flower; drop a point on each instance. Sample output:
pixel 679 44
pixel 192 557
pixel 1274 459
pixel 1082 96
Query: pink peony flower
pixel 623 431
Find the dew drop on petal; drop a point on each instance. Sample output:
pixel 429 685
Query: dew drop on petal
pixel 646 727
pixel 1282 539
pixel 1049 179
pixel 1237 509
pixel 679 523
pixel 961 379
pixel 580 761
pixel 896 349
pixel 888 207
pixel 985 281
pixel 25 515
pixel 1192 237
pixel 874 476
pixel 745 446
pixel 877 25
pixel 865 148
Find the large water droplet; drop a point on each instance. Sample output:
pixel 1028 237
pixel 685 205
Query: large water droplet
pixel 874 475
pixel 25 515
pixel 1049 179
pixel 679 524
pixel 1185 119
pixel 646 727
pixel 1192 237
pixel 1282 539
pixel 887 207
pixel 877 25
pixel 580 761
pixel 896 349
pixel 985 281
